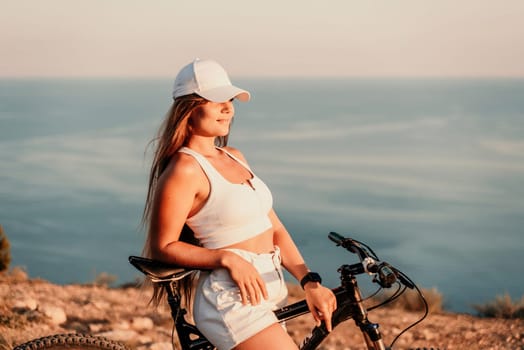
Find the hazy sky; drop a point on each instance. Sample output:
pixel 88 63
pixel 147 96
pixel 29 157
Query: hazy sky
pixel 466 38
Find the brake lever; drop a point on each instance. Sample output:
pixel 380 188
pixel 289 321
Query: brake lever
pixel 404 279
pixel 385 275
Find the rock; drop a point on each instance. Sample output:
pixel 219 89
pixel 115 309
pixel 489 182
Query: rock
pixel 101 304
pixel 122 325
pixel 25 304
pixel 428 334
pixel 55 313
pixel 142 323
pixel 161 346
pixel 122 335
pixel 144 339
pixel 95 327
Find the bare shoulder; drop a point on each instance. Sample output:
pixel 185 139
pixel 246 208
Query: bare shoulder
pixel 182 168
pixel 236 152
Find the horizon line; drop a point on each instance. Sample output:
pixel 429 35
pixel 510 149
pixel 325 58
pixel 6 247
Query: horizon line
pixel 266 77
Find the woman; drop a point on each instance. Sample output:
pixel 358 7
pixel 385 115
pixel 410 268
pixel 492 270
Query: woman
pixel 198 182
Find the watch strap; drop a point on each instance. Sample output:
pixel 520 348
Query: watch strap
pixel 310 277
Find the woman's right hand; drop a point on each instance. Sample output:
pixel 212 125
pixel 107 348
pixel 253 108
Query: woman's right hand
pixel 251 285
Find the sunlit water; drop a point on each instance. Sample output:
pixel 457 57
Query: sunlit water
pixel 430 173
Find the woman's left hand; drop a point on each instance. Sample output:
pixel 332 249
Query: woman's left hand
pixel 321 302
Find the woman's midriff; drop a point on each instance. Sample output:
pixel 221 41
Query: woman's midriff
pixel 262 243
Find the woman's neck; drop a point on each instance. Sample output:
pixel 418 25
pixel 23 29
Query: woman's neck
pixel 205 146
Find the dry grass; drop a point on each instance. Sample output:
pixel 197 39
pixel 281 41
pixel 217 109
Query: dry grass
pixel 410 300
pixel 502 307
pixel 5 252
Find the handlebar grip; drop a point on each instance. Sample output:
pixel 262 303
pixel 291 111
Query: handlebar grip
pixel 337 238
pixel 347 243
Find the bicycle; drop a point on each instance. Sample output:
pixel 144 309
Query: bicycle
pixel 350 304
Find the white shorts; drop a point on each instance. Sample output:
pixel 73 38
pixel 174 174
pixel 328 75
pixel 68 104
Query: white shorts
pixel 218 310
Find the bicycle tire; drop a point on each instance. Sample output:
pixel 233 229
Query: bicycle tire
pixel 71 341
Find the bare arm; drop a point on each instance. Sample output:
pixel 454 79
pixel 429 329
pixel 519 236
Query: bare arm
pixel 321 300
pixel 182 190
pixel 177 196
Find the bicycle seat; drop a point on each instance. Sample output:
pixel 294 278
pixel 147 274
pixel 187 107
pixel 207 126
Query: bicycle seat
pixel 159 271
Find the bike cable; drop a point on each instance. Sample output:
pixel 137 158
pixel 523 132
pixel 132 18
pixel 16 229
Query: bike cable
pixel 371 296
pixel 400 290
pixel 426 308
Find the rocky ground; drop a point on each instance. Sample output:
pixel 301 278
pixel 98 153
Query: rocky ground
pixel 31 308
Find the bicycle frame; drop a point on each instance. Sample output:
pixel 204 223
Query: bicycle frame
pixel 349 301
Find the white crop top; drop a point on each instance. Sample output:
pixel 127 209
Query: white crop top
pixel 233 212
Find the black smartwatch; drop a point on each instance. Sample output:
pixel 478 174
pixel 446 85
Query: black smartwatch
pixel 310 277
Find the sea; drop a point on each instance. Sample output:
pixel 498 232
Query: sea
pixel 428 172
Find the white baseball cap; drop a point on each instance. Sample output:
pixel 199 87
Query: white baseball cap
pixel 209 80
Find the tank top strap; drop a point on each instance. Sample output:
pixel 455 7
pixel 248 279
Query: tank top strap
pixel 236 159
pixel 208 168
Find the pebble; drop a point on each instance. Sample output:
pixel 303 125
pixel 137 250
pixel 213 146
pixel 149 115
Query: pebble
pixel 55 313
pixel 122 335
pixel 95 327
pixel 142 323
pixel 122 325
pixel 25 304
pixel 161 346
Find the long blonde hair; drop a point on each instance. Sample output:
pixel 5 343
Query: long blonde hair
pixel 173 134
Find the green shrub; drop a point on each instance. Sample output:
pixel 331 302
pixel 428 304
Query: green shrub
pixel 5 253
pixel 502 307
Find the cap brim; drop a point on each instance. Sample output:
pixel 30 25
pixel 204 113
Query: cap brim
pixel 225 93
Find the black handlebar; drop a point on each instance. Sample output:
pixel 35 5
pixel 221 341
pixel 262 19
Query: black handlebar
pixel 340 240
pixel 335 237
pixel 353 246
pixel 385 274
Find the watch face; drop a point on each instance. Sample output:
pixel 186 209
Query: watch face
pixel 310 277
pixel 314 277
